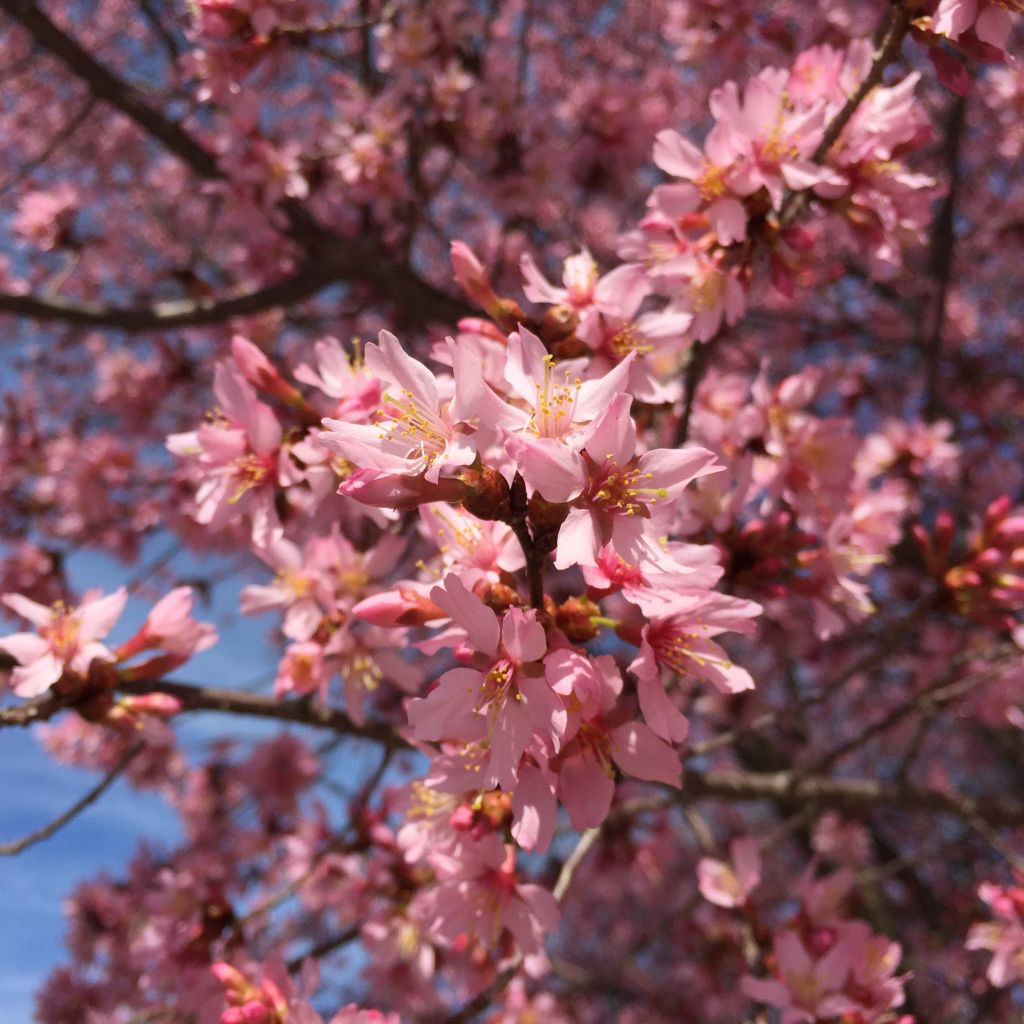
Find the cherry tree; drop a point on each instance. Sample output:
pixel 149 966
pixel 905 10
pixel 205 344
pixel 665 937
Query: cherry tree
pixel 612 412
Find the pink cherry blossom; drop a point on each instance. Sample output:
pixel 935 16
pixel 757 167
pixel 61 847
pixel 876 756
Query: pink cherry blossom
pixel 67 638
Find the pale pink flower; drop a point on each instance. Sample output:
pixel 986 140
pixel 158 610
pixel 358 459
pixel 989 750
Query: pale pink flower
pixel 730 884
pixel 682 643
pixel 1004 937
pixel 300 589
pixel 479 895
pixel 302 671
pixel 619 492
pixel 775 140
pixel 355 389
pixel 579 281
pixel 67 638
pixel 706 175
pixel 418 431
pixel 473 548
pixel 990 19
pixel 805 989
pixel 503 698
pixel 548 437
pixel 236 456
pixel 598 740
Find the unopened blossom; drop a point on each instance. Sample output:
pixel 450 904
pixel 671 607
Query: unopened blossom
pixel 66 638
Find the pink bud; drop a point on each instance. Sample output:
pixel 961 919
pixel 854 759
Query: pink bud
pixel 255 1013
pixel 230 977
pixel 987 559
pixel 255 366
pixel 472 277
pixel 462 818
pixel 997 510
pixel 1010 532
pixel 161 704
pixel 386 490
pixel 399 607
pixel 259 371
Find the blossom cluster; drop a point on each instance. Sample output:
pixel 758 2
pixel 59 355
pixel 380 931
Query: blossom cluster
pixel 636 516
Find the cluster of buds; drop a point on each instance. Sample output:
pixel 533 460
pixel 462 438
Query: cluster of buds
pixel 249 1003
pixel 985 578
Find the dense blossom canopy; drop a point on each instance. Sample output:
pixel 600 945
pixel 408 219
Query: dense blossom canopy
pixel 613 410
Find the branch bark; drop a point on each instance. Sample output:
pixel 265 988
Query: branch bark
pixel 165 315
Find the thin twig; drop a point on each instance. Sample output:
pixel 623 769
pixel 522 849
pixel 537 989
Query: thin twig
pixel 17 845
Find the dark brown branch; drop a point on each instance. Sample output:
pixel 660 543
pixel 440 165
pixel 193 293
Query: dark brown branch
pixel 17 845
pixel 700 355
pixel 321 949
pixel 238 702
pixel 851 794
pixel 175 313
pixel 105 85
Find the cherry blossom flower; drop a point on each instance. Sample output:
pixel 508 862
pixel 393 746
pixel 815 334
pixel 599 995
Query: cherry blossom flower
pixel 67 638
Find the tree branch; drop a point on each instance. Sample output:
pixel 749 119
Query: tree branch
pixel 787 787
pixel 17 845
pixel 305 283
pixel 209 698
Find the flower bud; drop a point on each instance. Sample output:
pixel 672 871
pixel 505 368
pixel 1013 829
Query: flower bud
pixel 490 498
pixel 400 607
pixel 472 277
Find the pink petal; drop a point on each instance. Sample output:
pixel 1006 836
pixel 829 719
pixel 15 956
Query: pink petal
pixel 586 790
pixel 677 156
pixel 639 753
pixel 659 712
pixel 523 636
pixel 469 612
pixel 37 678
pixel 389 361
pixel 547 465
pixel 37 614
pixel 534 810
pixel 97 618
pixel 579 539
pixel 611 438
pixel 447 711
